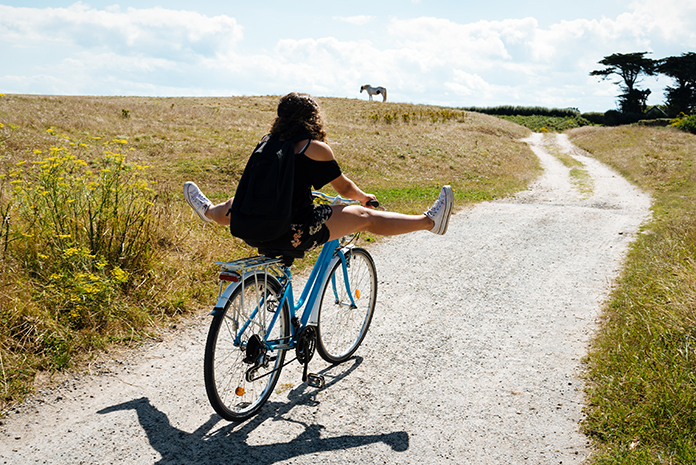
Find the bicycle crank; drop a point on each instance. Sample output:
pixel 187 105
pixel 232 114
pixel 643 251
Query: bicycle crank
pixel 304 350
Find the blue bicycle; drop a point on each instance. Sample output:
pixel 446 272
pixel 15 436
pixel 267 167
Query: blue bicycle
pixel 256 320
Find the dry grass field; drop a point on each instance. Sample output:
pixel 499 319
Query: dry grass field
pixel 98 246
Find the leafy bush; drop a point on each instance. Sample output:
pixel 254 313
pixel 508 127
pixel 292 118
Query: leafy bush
pixel 617 118
pixel 594 117
pixel 685 123
pixel 509 110
pixel 540 123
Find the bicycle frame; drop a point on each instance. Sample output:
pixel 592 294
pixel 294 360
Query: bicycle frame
pixel 310 297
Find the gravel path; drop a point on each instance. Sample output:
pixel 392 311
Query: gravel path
pixel 474 355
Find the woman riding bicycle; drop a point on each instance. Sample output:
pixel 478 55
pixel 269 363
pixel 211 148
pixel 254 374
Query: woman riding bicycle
pixel 315 166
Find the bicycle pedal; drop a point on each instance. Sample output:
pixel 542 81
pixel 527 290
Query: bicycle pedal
pixel 316 381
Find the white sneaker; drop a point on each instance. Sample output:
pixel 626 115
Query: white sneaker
pixel 197 200
pixel 441 210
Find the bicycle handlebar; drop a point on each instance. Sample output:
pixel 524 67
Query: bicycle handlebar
pixel 338 200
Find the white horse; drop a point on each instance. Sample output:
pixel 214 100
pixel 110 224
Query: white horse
pixel 375 91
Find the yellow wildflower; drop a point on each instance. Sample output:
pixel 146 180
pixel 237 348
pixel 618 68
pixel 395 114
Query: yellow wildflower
pixel 67 253
pixel 119 275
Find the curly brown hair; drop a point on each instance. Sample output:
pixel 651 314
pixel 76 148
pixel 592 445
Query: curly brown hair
pixel 297 114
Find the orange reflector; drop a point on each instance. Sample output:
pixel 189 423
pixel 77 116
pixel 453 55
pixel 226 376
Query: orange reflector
pixel 227 276
pixel 357 293
pixel 239 391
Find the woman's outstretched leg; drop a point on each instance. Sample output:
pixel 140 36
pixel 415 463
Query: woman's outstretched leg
pixel 352 218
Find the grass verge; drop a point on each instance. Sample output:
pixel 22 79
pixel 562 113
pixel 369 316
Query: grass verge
pixel 98 247
pixel 642 364
pixel 579 176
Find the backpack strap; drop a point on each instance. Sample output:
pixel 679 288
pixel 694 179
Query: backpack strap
pixel 301 152
pixel 300 137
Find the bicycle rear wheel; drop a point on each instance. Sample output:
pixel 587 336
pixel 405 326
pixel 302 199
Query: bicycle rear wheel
pixel 239 371
pixel 342 326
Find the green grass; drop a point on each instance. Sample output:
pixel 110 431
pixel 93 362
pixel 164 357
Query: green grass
pixel 579 176
pixel 538 123
pixel 97 246
pixel 642 364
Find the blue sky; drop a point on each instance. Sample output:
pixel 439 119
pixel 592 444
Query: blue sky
pixel 453 53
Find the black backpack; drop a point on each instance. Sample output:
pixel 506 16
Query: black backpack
pixel 262 208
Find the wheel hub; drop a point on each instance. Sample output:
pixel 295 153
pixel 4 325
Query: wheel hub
pixel 254 349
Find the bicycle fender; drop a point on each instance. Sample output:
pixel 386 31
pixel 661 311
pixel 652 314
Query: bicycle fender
pixel 227 293
pixel 224 297
pixel 314 315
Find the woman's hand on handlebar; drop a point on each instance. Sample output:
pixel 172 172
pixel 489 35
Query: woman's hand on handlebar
pixel 370 201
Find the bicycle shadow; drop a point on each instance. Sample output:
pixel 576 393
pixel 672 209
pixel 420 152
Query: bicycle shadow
pixel 228 445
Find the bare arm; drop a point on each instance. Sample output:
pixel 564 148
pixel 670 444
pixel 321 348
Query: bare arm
pixel 322 152
pixel 349 189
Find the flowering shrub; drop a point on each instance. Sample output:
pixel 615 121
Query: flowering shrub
pixel 63 202
pixel 78 218
pixel 685 123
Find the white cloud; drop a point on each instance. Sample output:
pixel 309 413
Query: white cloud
pixel 176 35
pixel 468 85
pixel 672 20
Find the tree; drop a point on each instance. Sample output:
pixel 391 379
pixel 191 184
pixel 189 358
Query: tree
pixel 682 97
pixel 629 66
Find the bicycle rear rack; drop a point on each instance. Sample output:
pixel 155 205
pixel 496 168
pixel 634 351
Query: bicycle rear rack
pixel 248 264
pixel 234 271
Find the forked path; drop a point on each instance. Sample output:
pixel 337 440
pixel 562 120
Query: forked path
pixel 474 355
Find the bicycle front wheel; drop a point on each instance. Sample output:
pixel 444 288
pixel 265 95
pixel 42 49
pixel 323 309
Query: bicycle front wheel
pixel 347 305
pixel 240 371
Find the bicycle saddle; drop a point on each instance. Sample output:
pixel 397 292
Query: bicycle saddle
pixel 287 255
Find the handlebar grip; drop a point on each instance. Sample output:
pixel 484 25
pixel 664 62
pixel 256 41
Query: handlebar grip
pixel 372 203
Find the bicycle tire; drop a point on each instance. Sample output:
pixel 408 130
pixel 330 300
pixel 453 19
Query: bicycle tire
pixel 341 327
pixel 231 394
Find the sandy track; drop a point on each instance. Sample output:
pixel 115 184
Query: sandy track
pixel 474 354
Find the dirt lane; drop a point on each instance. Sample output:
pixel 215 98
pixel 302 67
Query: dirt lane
pixel 473 356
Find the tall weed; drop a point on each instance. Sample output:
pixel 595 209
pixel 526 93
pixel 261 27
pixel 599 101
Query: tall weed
pixel 77 226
